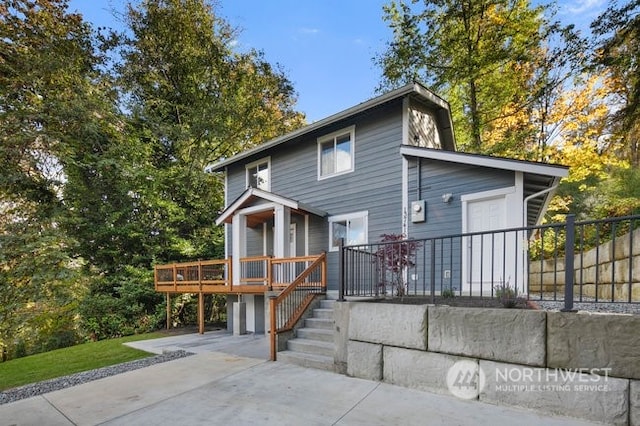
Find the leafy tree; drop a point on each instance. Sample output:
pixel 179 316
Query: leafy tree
pixel 44 57
pixel 583 141
pixel 141 185
pixel 39 283
pixel 491 59
pixel 194 101
pixel 46 73
pixel 618 52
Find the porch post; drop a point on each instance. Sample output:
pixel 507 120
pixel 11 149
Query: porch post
pixel 168 310
pixel 282 222
pixel 239 244
pixel 201 313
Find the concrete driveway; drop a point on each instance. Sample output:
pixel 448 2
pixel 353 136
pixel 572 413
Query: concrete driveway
pixel 223 388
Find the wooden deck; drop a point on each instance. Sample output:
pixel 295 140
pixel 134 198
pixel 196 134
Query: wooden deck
pixel 257 275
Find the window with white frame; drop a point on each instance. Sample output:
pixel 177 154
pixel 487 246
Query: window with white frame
pixel 335 153
pixel 352 228
pixel 259 174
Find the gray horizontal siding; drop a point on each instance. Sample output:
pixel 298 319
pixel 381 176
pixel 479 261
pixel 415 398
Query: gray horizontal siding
pixel 375 185
pixel 236 182
pixel 439 177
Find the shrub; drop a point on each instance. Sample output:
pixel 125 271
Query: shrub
pixel 122 305
pixel 394 256
pixel 507 295
pixel 448 293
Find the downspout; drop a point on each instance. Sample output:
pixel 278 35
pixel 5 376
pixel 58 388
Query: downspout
pixel 532 196
pixel 525 255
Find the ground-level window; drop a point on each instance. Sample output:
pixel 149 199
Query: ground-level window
pixel 259 175
pixel 335 153
pixel 352 228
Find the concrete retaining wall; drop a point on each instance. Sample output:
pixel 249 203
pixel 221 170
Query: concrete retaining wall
pixel 601 271
pixel 578 365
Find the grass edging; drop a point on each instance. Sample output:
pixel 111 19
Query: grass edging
pixel 74 359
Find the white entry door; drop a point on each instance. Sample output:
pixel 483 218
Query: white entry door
pixel 485 254
pixel 286 273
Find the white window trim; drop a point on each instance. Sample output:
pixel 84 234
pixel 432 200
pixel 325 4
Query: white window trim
pixel 352 131
pixel 342 217
pixel 254 164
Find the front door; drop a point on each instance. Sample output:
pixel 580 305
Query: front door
pixel 485 253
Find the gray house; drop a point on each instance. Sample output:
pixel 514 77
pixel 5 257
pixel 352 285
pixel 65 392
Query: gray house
pixel 386 166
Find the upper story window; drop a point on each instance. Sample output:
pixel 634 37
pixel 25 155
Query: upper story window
pixel 335 153
pixel 259 174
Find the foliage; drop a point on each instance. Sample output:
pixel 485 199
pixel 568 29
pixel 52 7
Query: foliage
pixel 550 242
pixel 106 140
pixel 184 309
pixel 46 78
pixel 122 305
pixel 395 255
pixel 583 141
pixel 520 85
pixel 191 101
pixel 489 58
pixel 62 362
pixel 547 244
pixel 617 195
pixel 448 293
pixel 507 295
pixel 617 52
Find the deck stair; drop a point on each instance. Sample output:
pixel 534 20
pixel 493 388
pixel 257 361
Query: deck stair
pixel 313 345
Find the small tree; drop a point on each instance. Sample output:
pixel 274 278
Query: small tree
pixel 395 255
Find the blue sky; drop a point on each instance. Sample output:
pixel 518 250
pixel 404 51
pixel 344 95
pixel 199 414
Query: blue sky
pixel 325 47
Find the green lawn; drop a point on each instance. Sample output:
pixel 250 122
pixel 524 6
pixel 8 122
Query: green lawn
pixel 88 356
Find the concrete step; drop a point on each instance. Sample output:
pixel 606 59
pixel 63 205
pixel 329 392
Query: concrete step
pixel 323 313
pixel 324 323
pixel 327 303
pixel 319 362
pixel 317 334
pixel 312 347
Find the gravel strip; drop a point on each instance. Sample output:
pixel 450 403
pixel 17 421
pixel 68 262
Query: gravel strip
pixel 34 389
pixel 601 307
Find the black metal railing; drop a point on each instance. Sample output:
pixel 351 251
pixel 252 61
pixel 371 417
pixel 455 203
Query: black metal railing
pixel 588 261
pixel 581 261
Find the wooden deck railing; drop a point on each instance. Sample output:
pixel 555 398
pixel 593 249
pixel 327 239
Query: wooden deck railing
pixel 287 308
pixel 256 275
pixel 204 276
pixel 294 275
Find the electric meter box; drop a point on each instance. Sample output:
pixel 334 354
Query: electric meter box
pixel 418 211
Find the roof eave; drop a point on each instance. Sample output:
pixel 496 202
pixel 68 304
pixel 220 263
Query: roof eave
pixel 487 161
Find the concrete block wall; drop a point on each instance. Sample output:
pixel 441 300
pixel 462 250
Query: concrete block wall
pixel 602 271
pixel 577 365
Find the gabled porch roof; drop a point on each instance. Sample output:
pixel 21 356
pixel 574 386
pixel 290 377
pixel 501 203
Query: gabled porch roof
pixel 251 195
